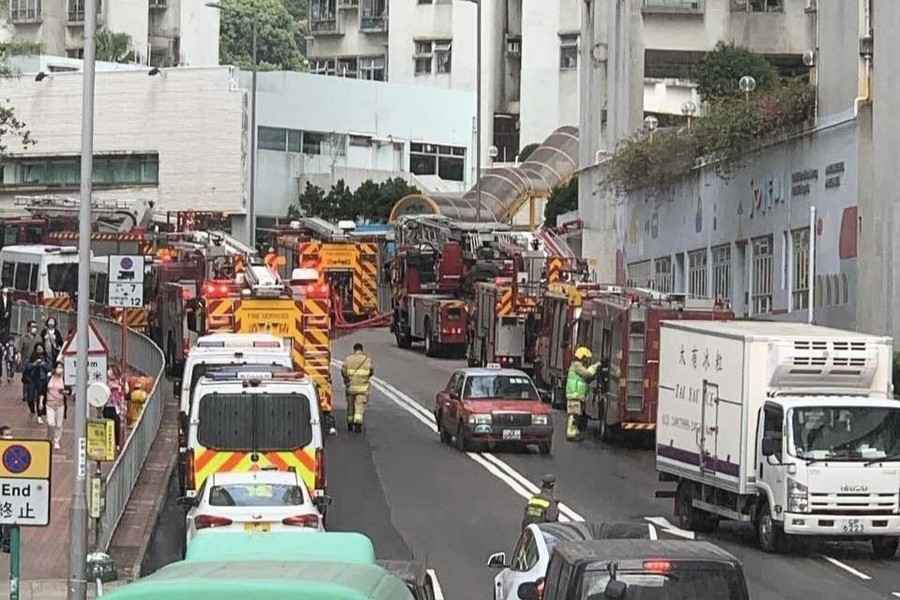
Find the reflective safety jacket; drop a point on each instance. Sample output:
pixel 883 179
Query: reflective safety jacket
pixel 540 509
pixel 577 380
pixel 357 372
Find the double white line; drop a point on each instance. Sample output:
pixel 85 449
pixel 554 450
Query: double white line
pixel 493 465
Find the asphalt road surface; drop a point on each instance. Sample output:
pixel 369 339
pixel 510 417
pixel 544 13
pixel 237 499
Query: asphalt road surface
pixel 417 497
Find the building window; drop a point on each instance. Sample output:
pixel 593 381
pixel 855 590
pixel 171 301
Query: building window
pixel 662 281
pixel 763 272
pixel 24 10
pixel 800 280
pixel 360 141
pixel 347 67
pixel 374 16
pixel 65 171
pixel 294 138
pixel 322 16
pixel 697 274
pixel 76 10
pixel 447 162
pixel 75 52
pixel 423 57
pixel 371 68
pixel 442 53
pixel 765 5
pixel 323 66
pixel 639 275
pixel 721 259
pixel 312 142
pixel 272 138
pixel 568 51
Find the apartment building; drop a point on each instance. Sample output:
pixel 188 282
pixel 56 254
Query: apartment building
pixel 163 32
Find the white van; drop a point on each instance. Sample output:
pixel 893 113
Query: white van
pixel 40 271
pixel 224 350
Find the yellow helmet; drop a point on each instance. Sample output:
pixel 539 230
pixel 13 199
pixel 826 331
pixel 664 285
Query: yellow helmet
pixel 582 352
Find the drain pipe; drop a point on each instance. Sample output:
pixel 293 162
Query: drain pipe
pixel 866 51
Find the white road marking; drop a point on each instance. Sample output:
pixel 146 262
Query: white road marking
pixel 664 524
pixel 435 585
pixel 895 594
pixel 563 509
pixel 653 535
pixel 847 568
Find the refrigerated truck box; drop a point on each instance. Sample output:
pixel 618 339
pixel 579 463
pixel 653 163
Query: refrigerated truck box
pixel 725 386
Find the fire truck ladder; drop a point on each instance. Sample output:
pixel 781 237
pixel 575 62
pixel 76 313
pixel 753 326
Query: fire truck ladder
pixel 322 229
pixel 263 281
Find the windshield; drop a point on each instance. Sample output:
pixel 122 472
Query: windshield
pixel 254 422
pixel 845 432
pixel 256 494
pixel 679 584
pixel 63 278
pixel 507 387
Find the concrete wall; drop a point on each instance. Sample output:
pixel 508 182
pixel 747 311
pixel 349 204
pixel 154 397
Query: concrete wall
pixel 352 42
pixel 193 118
pixel 130 17
pixel 393 115
pixel 199 27
pixel 768 197
pixel 838 63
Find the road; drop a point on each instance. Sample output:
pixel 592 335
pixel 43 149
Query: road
pixel 417 497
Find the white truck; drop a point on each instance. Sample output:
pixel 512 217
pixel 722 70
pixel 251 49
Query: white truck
pixel 788 426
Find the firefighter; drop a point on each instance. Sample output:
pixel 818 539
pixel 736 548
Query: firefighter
pixel 357 372
pixel 542 507
pixel 272 259
pixel 580 374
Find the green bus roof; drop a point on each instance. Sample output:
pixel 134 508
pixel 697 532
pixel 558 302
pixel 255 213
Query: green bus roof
pixel 281 546
pixel 266 580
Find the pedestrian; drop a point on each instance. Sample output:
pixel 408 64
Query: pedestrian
pixel 38 370
pixel 25 347
pixel 53 340
pixel 55 404
pixel 542 507
pixel 580 374
pixel 357 373
pixel 10 358
pixel 115 405
pixel 5 311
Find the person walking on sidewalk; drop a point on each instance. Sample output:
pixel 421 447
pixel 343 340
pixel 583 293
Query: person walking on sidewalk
pixel 25 347
pixel 53 340
pixel 55 403
pixel 37 371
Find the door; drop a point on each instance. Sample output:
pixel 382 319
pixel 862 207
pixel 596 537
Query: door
pixel 523 568
pixel 453 400
pixel 709 427
pixel 771 470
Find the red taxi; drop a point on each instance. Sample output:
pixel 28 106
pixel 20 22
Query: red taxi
pixel 492 406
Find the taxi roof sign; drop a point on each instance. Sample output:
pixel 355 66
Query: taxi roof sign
pixel 493 366
pixel 25 459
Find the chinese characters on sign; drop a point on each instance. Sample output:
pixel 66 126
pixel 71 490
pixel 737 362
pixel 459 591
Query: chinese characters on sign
pixel 708 363
pixel 25 482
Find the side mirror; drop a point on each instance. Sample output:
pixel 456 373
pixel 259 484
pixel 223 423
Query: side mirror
pixel 770 446
pixel 614 589
pixel 529 591
pixel 453 395
pixel 322 502
pixel 188 501
pixel 497 561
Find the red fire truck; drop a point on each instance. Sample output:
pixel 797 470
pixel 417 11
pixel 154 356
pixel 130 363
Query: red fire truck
pixel 622 332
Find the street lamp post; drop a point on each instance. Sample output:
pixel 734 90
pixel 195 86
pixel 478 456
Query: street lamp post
pixel 688 109
pixel 747 84
pixel 477 110
pixel 251 209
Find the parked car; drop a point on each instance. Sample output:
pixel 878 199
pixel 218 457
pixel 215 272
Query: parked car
pixel 253 501
pixel 492 406
pixel 531 554
pixel 622 569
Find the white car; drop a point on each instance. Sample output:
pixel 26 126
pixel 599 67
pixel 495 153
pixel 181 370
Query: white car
pixel 254 501
pixel 531 555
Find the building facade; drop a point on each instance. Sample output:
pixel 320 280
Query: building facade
pixel 319 130
pixel 180 140
pixel 163 32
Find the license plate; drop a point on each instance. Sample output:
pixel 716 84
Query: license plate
pixel 257 527
pixel 512 434
pixel 853 526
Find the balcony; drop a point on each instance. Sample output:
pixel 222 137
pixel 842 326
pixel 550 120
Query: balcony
pixel 325 25
pixel 373 17
pixel 75 13
pixel 678 7
pixel 24 11
pixel 348 4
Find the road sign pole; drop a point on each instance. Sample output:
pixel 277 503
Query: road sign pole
pixel 15 553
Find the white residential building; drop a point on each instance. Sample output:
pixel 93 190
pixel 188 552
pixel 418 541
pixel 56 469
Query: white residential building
pixel 163 32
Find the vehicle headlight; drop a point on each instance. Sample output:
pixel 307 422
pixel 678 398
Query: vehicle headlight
pixel 798 497
pixel 540 419
pixel 480 419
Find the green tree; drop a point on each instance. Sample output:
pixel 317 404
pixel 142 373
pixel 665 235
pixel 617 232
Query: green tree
pixel 391 191
pixel 371 202
pixel 114 47
pixel 563 199
pixel 367 200
pixel 311 202
pixel 297 8
pixel 718 73
pixel 275 34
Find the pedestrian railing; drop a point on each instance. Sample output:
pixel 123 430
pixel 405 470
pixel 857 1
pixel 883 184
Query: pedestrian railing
pixel 144 356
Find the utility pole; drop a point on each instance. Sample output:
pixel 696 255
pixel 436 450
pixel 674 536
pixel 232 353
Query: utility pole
pixel 78 513
pixel 478 114
pixel 251 213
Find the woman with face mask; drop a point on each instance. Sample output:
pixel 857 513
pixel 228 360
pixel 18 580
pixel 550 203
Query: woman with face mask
pixel 52 339
pixel 38 373
pixel 55 404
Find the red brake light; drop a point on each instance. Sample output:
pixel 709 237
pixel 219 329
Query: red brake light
pixel 302 521
pixel 210 522
pixel 189 482
pixel 657 566
pixel 320 469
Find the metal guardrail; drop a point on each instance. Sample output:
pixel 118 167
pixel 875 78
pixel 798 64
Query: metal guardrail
pixel 144 356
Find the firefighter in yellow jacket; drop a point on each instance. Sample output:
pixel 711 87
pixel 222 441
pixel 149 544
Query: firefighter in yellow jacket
pixel 357 373
pixel 580 374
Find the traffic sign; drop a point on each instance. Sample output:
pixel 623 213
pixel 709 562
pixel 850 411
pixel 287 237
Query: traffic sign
pixel 98 353
pixel 25 482
pixel 126 281
pixel 101 439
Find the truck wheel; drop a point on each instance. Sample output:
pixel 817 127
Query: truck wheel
pixel 685 513
pixel 431 348
pixel 403 340
pixel 884 548
pixel 768 531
